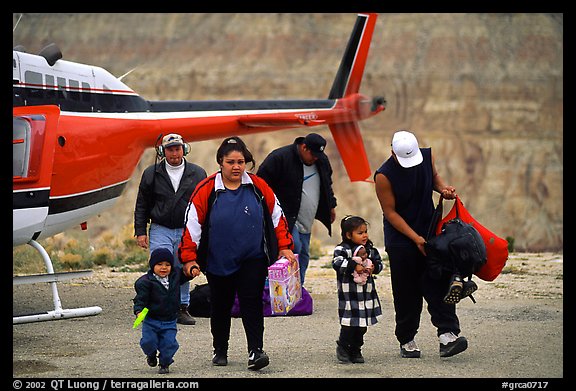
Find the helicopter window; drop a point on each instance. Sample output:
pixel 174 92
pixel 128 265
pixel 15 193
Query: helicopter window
pixel 20 143
pixel 74 89
pixel 50 81
pixel 50 86
pixel 28 133
pixel 32 77
pixel 86 92
pixel 61 87
pixel 34 80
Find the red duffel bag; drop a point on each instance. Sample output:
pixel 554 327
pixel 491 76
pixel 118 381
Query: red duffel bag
pixel 496 247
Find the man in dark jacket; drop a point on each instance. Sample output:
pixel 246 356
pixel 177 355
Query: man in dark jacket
pixel 163 195
pixel 301 176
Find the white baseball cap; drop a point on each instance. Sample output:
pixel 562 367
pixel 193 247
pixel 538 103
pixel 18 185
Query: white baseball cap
pixel 405 146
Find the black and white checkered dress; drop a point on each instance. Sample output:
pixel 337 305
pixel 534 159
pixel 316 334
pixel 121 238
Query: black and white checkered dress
pixel 358 305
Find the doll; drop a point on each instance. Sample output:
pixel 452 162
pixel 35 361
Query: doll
pixel 361 258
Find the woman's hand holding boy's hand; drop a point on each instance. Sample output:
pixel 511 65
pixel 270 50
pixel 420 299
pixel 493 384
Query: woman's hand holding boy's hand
pixel 191 269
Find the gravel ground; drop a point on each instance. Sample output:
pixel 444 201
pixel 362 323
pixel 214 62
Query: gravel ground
pixel 515 330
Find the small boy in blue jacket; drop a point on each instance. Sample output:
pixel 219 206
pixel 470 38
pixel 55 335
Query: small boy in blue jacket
pixel 159 291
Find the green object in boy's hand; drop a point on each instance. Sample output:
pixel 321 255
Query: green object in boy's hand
pixel 140 317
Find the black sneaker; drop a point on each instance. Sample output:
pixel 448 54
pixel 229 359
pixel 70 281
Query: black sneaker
pixel 152 360
pixel 468 288
pixel 451 345
pixel 219 358
pixel 356 356
pixel 454 292
pixel 257 359
pixel 342 354
pixel 164 369
pixel 409 350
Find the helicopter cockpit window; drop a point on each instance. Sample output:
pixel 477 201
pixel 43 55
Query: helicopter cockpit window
pixel 20 147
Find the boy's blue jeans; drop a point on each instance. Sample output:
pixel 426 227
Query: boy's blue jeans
pixel 159 336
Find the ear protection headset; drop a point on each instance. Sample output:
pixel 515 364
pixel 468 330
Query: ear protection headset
pixel 160 148
pixel 161 154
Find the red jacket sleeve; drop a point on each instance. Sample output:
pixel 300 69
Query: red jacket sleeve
pixel 195 217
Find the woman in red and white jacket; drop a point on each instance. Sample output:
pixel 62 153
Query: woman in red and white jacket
pixel 235 228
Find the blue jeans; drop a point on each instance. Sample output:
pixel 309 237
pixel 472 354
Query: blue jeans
pixel 169 238
pixel 302 248
pixel 159 336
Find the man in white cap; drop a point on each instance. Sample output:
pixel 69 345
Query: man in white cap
pixel 404 186
pixel 163 195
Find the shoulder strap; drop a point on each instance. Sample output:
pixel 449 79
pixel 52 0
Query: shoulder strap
pixel 436 217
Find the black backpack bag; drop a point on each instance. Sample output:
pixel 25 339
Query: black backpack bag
pixel 200 301
pixel 458 248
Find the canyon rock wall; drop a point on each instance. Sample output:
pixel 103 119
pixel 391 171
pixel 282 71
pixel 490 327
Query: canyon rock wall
pixel 485 91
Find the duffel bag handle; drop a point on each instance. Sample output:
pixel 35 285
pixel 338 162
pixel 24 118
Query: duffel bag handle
pixel 437 215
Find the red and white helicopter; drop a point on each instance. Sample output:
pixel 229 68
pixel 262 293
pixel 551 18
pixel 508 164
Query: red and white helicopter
pixel 79 133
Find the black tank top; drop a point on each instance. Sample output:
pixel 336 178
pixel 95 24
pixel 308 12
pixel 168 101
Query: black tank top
pixel 412 188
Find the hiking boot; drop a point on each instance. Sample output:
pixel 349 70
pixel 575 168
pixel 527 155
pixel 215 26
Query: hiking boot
pixel 257 359
pixel 219 358
pixel 152 360
pixel 410 350
pixel 468 288
pixel 184 317
pixel 342 354
pixel 356 356
pixel 164 369
pixel 455 290
pixel 451 345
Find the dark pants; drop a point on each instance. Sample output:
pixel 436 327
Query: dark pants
pixel 248 284
pixel 410 284
pixel 352 336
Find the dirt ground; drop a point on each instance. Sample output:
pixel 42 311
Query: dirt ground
pixel 515 331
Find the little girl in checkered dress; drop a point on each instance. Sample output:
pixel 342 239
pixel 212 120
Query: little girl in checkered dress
pixel 358 304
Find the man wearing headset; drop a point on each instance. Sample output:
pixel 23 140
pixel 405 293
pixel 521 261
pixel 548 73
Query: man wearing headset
pixel 163 195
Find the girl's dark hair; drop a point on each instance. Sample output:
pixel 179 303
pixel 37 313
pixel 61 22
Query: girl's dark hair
pixel 350 223
pixel 234 143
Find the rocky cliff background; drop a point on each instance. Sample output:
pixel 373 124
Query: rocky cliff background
pixel 485 91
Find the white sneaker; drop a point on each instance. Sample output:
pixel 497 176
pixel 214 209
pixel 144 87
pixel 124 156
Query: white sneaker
pixel 450 344
pixel 446 338
pixel 410 350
